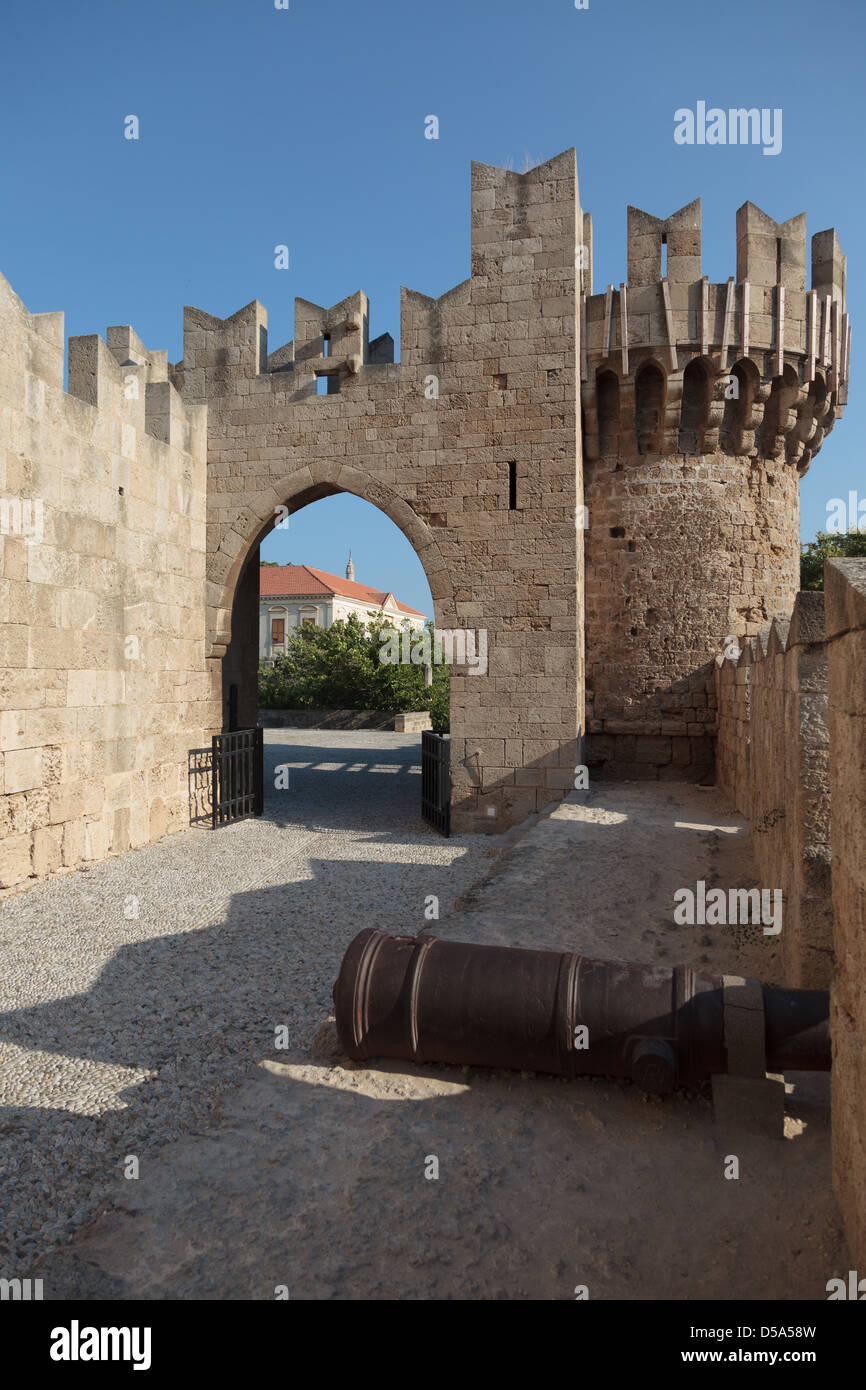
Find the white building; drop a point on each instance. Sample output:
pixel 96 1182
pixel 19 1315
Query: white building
pixel 292 595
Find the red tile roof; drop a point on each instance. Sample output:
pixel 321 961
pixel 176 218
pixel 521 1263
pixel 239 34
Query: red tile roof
pixel 296 581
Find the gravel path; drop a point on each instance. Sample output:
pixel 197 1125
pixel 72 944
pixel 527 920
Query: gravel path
pixel 120 1032
pixel 316 1177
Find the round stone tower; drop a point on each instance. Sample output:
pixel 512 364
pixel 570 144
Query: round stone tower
pixel 703 406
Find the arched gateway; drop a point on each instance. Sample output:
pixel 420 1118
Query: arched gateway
pixel 469 444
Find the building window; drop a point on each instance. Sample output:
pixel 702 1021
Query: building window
pixel 308 622
pixel 278 631
pixel 327 383
pixel 326 345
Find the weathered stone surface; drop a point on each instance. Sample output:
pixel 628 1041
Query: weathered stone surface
pixel 773 759
pixel 845 582
pixel 102 631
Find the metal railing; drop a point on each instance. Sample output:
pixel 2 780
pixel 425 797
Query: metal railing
pixel 436 780
pixel 238 775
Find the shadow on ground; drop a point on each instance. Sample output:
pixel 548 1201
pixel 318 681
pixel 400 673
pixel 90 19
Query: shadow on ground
pixel 313 1174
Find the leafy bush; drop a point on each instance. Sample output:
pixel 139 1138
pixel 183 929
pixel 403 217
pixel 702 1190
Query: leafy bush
pixel 339 668
pixel 828 545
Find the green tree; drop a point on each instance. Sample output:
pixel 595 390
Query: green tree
pixel 339 667
pixel 828 545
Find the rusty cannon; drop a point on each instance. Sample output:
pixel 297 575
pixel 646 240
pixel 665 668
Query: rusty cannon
pixel 422 999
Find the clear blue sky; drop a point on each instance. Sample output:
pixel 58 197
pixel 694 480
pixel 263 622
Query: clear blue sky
pixel 306 127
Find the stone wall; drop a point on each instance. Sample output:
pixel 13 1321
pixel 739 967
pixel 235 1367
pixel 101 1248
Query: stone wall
pixel 699 407
pixel 412 722
pixel 845 589
pixel 470 444
pixel 102 558
pixel 773 761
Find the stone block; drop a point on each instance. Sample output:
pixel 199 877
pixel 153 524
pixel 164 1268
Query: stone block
pixel 47 850
pixel 15 861
pixel 23 769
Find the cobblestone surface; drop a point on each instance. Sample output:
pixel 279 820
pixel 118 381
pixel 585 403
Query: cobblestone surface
pixel 120 1032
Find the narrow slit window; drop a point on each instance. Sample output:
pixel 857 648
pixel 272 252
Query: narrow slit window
pixel 664 257
pixel 326 345
pixel 512 486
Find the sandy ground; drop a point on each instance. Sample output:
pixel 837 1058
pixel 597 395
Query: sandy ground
pixel 315 1176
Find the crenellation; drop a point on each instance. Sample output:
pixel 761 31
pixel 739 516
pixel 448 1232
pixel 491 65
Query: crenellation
pixel 767 321
pixel 109 584
pixel 829 267
pixel 702 405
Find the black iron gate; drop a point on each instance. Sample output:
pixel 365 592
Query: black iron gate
pixel 238 775
pixel 436 780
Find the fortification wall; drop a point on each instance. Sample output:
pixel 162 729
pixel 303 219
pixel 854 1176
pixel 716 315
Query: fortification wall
pixel 773 761
pixel 470 444
pixel 102 615
pixel 845 589
pixel 703 407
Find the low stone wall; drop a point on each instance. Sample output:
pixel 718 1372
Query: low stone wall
pixel 772 759
pixel 845 589
pixel 413 722
pixel 792 756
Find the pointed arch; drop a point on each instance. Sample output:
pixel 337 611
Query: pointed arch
pixel 298 489
pixel 740 392
pixel 650 390
pixel 695 407
pixel 607 395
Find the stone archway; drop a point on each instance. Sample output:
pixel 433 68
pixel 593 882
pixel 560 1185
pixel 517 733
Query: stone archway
pixel 233 584
pixel 469 443
pixel 298 489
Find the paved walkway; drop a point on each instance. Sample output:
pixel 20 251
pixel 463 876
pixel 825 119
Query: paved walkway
pixel 135 993
pixel 314 1174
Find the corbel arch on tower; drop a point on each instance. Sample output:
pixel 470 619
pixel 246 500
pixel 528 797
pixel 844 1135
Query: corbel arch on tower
pixel 742 385
pixel 697 393
pixel 650 398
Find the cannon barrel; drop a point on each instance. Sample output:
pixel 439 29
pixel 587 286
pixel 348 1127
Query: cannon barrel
pixel 421 999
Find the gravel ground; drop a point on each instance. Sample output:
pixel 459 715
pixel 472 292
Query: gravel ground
pixel 119 1033
pixel 316 1176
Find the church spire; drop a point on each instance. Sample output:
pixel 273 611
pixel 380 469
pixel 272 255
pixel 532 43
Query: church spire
pixel 350 568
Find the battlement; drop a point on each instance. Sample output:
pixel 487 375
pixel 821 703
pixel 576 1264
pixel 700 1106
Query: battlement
pixel 118 376
pixel 758 366
pixel 220 354
pixel 122 379
pixel 530 241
